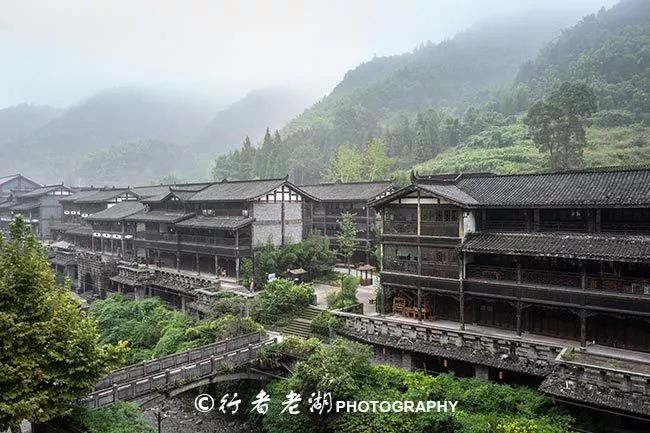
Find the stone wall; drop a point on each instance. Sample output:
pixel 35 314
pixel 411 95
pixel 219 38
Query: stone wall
pixel 516 354
pixel 618 384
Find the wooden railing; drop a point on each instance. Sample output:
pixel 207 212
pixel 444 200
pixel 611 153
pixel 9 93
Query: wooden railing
pixel 174 370
pixel 638 286
pixel 396 265
pixel 559 226
pixel 401 227
pixel 505 225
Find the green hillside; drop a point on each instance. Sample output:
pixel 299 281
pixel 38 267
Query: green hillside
pixel 610 53
pixel 461 104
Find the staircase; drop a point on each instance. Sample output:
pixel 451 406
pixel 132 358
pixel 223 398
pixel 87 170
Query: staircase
pixel 301 325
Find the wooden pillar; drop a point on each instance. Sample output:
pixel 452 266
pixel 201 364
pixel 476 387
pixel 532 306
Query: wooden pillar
pixel 368 234
pixel 583 276
pixel 237 268
pixel 536 220
pixel 518 318
pixel 419 304
pixel 283 222
pixel 157 257
pixel 198 264
pixel 216 264
pixel 519 270
pixel 383 301
pixel 583 328
pixel 461 290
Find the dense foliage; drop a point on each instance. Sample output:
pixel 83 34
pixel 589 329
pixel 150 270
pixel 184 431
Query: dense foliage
pixel 346 296
pixel 120 417
pixel 280 301
pixel 345 370
pixel 153 330
pixel 50 353
pixel 557 124
pixel 312 254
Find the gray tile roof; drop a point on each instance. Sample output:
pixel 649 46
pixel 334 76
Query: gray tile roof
pixel 26 206
pixel 78 195
pixel 149 191
pixel 40 191
pixel 354 191
pixel 158 216
pixel 224 223
pixel 237 190
pixel 450 192
pixel 576 246
pixel 118 211
pixel 599 187
pixel 629 187
pixel 100 196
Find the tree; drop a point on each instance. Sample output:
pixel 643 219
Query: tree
pixel 346 165
pixel 557 125
pixel 247 159
pixel 347 237
pixel 374 161
pixel 51 354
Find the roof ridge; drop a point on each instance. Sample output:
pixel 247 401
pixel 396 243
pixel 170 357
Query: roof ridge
pixel 597 169
pixel 346 183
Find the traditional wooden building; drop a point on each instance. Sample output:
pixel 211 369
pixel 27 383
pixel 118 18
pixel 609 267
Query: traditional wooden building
pixel 40 207
pixel 560 254
pixel 322 215
pixel 210 228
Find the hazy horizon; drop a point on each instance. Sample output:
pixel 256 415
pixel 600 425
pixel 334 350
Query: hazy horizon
pixel 59 53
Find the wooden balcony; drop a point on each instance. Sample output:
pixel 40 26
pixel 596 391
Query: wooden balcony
pixel 559 288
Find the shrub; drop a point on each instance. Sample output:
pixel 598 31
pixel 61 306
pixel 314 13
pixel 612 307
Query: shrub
pixel 281 301
pixel 346 296
pixel 120 417
pixel 323 322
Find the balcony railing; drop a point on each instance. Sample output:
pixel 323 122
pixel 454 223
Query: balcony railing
pixel 563 226
pixel 631 228
pixel 207 240
pixel 506 225
pixel 168 237
pixel 407 266
pixel 429 270
pixel 639 286
pixel 550 278
pixel 401 227
pixel 429 228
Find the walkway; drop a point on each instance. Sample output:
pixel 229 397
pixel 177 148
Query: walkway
pixel 178 370
pixel 595 349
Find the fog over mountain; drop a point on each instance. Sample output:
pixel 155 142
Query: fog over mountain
pixel 80 82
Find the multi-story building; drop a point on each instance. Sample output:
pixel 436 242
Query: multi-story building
pixel 188 237
pixel 40 208
pixel 323 214
pixel 533 278
pixel 562 254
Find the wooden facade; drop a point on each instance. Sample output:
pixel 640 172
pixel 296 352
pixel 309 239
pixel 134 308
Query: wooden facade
pixel 563 270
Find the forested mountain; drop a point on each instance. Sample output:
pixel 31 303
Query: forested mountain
pixel 387 93
pixel 251 115
pixel 609 52
pixel 460 105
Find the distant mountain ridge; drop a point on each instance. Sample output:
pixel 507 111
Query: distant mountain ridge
pixel 167 131
pixel 259 109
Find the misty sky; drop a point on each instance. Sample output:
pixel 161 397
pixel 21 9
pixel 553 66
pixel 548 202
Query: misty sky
pixel 60 51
